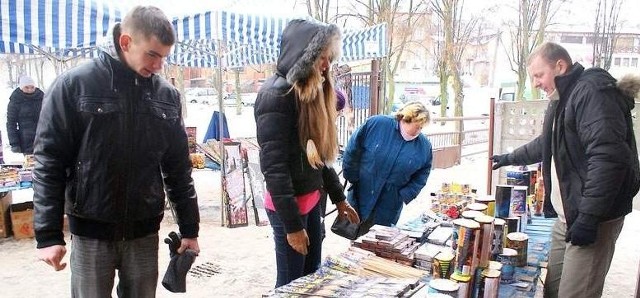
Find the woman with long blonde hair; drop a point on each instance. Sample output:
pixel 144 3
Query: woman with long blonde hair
pixel 295 115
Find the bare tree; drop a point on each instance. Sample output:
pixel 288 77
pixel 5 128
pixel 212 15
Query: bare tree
pixel 605 32
pixel 457 33
pixel 523 41
pixel 531 14
pixel 319 9
pixel 401 17
pixel 439 54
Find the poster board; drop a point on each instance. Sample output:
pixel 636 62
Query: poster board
pixel 233 186
pixel 256 181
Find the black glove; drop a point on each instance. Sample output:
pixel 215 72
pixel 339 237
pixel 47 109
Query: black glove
pixel 175 279
pixel 174 241
pixel 583 231
pixel 500 161
pixel 15 149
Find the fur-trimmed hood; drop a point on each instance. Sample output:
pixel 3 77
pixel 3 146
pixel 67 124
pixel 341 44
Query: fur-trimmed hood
pixel 302 43
pixel 630 85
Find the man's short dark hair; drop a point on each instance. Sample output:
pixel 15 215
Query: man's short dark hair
pixel 149 21
pixel 550 52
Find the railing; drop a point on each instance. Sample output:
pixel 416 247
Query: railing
pixel 452 143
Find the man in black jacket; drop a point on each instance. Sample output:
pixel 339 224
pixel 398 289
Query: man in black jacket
pixel 23 112
pixel 110 141
pixel 590 167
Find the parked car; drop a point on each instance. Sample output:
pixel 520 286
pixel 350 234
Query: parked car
pixel 207 96
pixel 249 99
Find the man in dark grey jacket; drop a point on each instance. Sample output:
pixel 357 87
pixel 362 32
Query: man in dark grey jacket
pixel 590 167
pixel 110 141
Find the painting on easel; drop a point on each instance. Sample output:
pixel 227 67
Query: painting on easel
pixel 234 189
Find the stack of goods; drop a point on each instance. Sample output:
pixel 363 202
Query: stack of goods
pixel 29 161
pixel 474 242
pixel 26 177
pixel 9 177
pixel 389 243
pixel 451 199
pixel 425 255
pixel 421 227
pixel 441 235
pixel 332 283
pixel 512 206
pixel 364 263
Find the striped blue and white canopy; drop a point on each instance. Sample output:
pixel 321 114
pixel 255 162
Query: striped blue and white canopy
pixel 15 48
pixel 70 28
pixel 247 39
pixel 56 24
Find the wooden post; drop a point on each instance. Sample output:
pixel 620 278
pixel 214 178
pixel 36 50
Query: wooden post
pixel 492 119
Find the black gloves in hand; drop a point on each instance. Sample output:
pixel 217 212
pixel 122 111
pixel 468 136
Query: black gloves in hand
pixel 175 278
pixel 174 241
pixel 583 232
pixel 15 149
pixel 500 161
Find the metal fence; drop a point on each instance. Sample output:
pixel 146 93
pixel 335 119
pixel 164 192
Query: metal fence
pixel 361 90
pixel 475 130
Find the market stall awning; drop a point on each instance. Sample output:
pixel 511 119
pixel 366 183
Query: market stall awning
pixel 247 39
pixel 57 24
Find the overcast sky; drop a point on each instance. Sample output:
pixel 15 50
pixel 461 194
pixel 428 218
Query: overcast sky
pixel 574 11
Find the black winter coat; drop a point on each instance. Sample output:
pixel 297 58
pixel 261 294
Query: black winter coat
pixel 109 143
pixel 283 160
pixel 23 113
pixel 593 146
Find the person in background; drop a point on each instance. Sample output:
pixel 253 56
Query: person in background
pixel 388 161
pixel 23 113
pixel 110 142
pixel 295 115
pixel 589 164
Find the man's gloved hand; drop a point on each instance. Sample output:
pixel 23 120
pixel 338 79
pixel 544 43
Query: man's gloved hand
pixel 583 231
pixel 500 161
pixel 174 240
pixel 175 278
pixel 15 149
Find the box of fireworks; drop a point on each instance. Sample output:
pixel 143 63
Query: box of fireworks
pixel 22 220
pixel 518 201
pixel 503 200
pixel 5 214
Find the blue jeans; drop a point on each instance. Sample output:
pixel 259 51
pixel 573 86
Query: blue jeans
pixel 94 263
pixel 290 263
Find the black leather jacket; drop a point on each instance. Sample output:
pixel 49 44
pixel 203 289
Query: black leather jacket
pixel 107 144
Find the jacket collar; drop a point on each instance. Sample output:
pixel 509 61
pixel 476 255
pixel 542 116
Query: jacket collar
pixel 111 53
pixel 565 82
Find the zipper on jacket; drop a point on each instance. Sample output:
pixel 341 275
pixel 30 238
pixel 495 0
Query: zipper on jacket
pixel 79 185
pixel 129 133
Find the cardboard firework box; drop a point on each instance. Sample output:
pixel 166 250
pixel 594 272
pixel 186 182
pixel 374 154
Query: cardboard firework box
pixel 5 214
pixel 22 220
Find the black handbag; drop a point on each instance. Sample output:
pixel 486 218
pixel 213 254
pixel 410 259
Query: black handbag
pixel 343 227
